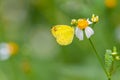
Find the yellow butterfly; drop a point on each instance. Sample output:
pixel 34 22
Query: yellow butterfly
pixel 63 33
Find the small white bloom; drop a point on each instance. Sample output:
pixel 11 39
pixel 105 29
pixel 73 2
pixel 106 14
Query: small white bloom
pixel 83 24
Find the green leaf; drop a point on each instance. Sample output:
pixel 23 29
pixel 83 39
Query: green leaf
pixel 109 61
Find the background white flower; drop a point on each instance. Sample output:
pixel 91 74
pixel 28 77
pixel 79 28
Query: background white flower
pixel 4 51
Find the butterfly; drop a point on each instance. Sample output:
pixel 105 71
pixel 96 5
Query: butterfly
pixel 63 34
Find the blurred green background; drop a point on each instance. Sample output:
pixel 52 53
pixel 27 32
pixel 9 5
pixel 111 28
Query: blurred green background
pixel 28 22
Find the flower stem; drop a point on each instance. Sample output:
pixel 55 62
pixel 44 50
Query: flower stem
pixel 109 78
pixel 99 59
pixel 13 68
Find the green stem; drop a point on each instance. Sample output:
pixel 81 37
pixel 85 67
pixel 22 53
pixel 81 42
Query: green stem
pixel 98 57
pixel 109 78
pixel 13 67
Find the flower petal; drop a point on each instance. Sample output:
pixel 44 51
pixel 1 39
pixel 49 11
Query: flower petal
pixel 89 32
pixel 79 33
pixel 89 22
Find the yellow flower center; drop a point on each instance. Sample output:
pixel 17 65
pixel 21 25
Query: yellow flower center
pixel 13 48
pixel 82 23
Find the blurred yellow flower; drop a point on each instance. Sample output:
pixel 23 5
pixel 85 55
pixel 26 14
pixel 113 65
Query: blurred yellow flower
pixel 26 66
pixel 13 47
pixel 110 3
pixel 63 33
pixel 94 18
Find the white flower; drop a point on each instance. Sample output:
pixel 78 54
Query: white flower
pixel 4 51
pixel 83 25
